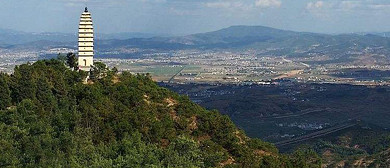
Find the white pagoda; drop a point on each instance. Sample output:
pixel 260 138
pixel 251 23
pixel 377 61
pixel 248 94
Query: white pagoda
pixel 85 55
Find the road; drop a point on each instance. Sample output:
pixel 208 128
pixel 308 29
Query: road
pixel 303 112
pixel 173 77
pixel 315 134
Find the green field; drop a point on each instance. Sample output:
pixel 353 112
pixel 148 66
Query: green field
pixel 163 70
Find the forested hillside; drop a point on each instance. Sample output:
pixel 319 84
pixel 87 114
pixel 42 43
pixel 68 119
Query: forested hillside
pixel 50 118
pixel 363 145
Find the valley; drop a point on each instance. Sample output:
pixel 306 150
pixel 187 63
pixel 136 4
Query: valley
pixel 288 109
pixel 345 124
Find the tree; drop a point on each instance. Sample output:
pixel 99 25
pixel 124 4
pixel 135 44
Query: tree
pixel 114 70
pixel 62 58
pixel 5 93
pixel 183 152
pixel 98 70
pixel 23 86
pixel 45 95
pixel 71 60
pixel 306 158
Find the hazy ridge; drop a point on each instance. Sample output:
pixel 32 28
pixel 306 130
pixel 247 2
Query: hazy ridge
pixel 264 40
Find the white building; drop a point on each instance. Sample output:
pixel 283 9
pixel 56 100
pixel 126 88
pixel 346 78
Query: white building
pixel 85 41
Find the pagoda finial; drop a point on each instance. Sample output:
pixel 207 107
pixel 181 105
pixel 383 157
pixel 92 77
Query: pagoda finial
pixel 86 9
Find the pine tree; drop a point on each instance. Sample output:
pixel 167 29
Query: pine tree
pixel 5 98
pixel 45 95
pixel 71 60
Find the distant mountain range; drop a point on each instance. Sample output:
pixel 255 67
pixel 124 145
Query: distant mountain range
pixel 264 40
pixel 234 37
pixel 261 39
pixel 12 37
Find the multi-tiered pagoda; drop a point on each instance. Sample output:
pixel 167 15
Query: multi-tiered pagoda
pixel 85 41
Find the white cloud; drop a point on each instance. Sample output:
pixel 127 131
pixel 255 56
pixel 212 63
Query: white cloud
pixel 379 7
pixel 349 5
pixel 74 1
pixel 218 4
pixel 230 6
pixel 268 3
pixel 71 4
pixel 156 1
pixel 180 12
pixel 315 5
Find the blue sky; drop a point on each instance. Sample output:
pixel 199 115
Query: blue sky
pixel 193 16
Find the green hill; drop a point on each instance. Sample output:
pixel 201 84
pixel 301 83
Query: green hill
pixel 50 118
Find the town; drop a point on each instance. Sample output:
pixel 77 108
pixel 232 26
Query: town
pixel 230 67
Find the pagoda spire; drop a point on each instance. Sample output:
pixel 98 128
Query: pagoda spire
pixel 86 9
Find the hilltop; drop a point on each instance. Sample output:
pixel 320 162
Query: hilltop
pixel 50 118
